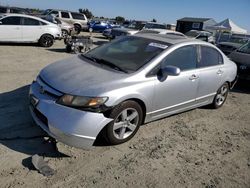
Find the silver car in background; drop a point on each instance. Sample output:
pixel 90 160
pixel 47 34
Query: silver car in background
pixel 115 88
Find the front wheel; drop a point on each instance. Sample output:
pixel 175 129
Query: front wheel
pixel 46 41
pixel 127 120
pixel 65 33
pixel 221 96
pixel 77 29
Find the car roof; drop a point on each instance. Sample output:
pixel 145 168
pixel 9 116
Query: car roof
pixel 64 11
pixel 171 39
pixel 23 15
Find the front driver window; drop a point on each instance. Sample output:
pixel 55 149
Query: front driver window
pixel 185 58
pixel 12 20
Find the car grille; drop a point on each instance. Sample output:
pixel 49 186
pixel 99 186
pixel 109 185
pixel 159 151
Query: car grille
pixel 46 89
pixel 40 116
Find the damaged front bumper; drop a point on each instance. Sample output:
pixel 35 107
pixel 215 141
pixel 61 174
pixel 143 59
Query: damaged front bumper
pixel 71 126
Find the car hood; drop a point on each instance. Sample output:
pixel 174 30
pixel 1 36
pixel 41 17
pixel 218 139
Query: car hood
pixel 81 77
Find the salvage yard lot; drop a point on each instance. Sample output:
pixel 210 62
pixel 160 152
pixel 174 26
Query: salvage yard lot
pixel 198 148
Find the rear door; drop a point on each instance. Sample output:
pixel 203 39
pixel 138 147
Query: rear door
pixel 210 65
pixel 32 29
pixel 11 29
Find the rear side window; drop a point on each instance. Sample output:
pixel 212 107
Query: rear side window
pixel 185 58
pixel 77 16
pixel 65 14
pixel 209 57
pixel 12 20
pixel 30 22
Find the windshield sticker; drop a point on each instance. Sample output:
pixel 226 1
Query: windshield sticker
pixel 157 45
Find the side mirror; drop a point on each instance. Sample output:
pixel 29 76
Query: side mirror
pixel 1 23
pixel 168 71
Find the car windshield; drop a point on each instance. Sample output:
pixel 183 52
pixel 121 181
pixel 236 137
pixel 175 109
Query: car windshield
pixel 154 26
pixel 127 54
pixel 192 34
pixel 46 12
pixel 238 40
pixel 137 26
pixel 245 48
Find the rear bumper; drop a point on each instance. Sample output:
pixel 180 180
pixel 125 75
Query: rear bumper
pixel 71 126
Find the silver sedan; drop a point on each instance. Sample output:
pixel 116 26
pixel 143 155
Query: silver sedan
pixel 115 88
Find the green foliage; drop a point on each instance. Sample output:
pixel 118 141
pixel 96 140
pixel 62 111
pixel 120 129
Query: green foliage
pixel 120 19
pixel 87 13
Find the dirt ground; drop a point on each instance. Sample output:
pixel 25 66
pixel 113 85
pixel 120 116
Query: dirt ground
pixel 199 148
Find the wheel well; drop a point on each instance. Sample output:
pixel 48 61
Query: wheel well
pixel 107 113
pixel 140 102
pixel 47 34
pixel 78 25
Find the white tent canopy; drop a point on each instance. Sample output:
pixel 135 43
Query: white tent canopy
pixel 227 25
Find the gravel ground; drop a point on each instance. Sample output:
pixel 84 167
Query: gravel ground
pixel 198 148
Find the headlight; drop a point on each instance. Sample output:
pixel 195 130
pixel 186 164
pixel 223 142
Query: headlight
pixel 85 102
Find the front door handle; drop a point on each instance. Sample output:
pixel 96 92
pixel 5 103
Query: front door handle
pixel 193 77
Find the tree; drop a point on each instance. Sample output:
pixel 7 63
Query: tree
pixel 87 12
pixel 120 19
pixel 154 20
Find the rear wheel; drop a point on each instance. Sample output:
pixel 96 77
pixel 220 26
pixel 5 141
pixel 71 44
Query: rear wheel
pixel 77 28
pixel 64 33
pixel 127 120
pixel 221 96
pixel 46 40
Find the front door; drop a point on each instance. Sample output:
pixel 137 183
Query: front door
pixel 11 29
pixel 177 92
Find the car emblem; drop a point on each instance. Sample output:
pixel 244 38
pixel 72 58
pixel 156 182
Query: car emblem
pixel 42 91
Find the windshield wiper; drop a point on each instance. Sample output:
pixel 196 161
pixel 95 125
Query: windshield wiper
pixel 89 57
pixel 105 62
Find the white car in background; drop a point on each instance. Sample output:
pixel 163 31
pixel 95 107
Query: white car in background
pixel 21 28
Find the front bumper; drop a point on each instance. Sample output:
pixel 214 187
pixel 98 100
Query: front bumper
pixel 71 126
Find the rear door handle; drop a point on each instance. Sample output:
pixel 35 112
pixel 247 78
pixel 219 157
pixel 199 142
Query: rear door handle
pixel 193 77
pixel 219 72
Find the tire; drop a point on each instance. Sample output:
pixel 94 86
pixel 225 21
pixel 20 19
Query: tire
pixel 65 33
pixel 46 40
pixel 77 28
pixel 122 129
pixel 220 96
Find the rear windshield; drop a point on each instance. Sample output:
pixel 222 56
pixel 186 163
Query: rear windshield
pixel 129 53
pixel 155 26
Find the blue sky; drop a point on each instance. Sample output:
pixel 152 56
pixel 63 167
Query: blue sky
pixel 162 10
